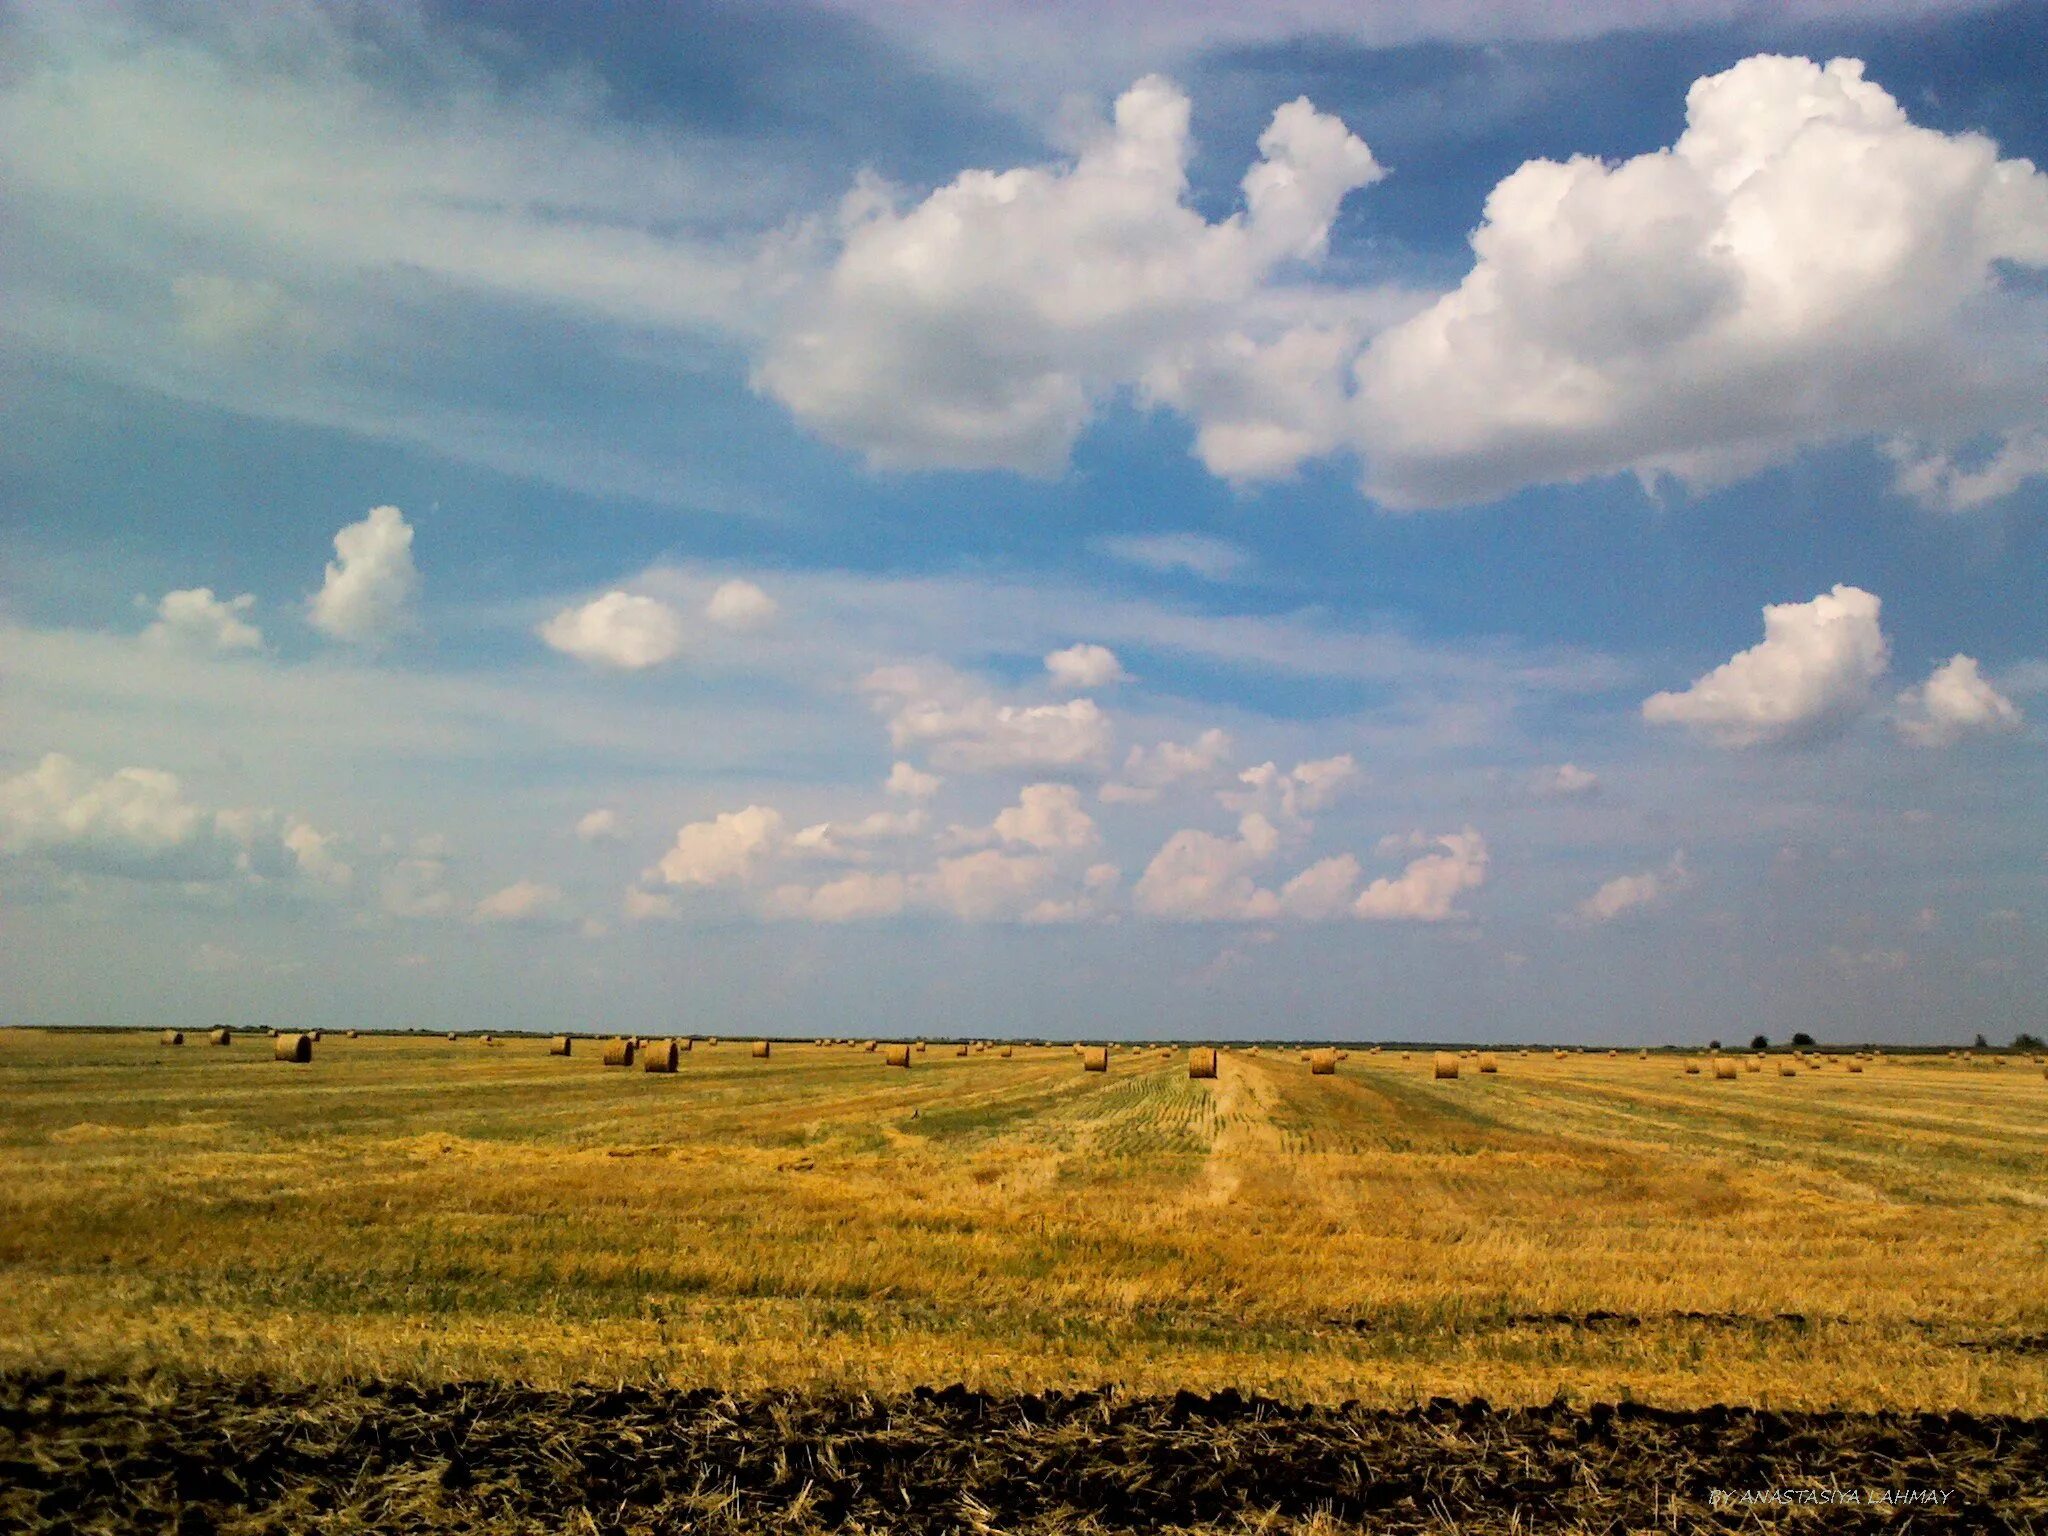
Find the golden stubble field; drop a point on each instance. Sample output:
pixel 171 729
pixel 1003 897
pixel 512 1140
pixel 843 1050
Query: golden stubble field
pixel 1592 1227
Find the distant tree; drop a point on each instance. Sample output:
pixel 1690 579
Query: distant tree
pixel 1802 1039
pixel 1760 1043
pixel 1982 1043
pixel 1713 1045
pixel 2025 1041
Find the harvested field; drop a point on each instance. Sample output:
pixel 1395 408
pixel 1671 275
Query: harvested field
pixel 409 1208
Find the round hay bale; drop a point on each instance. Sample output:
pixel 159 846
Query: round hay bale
pixel 355 1034
pixel 1754 1064
pixel 661 1056
pixel 1447 1064
pixel 316 1036
pixel 895 1055
pixel 1094 1058
pixel 560 1045
pixel 292 1048
pixel 1855 1066
pixel 960 1050
pixel 871 1045
pixel 1725 1071
pixel 1202 1061
pixel 221 1037
pixel 487 1040
pixel 1322 1063
pixel 1557 1055
pixel 685 1044
pixel 171 1037
pixel 1787 1069
pixel 1692 1069
pixel 619 1053
pixel 451 1034
pixel 1643 1056
pixel 760 1050
pixel 1488 1062
pixel 920 1047
pixel 1005 1051
pixel 710 1040
pixel 1613 1055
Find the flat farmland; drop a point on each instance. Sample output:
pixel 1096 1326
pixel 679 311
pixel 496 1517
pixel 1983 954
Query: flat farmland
pixel 1585 1228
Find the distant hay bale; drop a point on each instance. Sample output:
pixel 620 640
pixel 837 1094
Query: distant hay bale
pixel 1343 1055
pixel 710 1040
pixel 1322 1063
pixel 1488 1062
pixel 560 1045
pixel 1642 1056
pixel 920 1047
pixel 1855 1066
pixel 355 1034
pixel 896 1056
pixel 1202 1061
pixel 172 1037
pixel 1754 1064
pixel 221 1037
pixel 870 1046
pixel 1004 1051
pixel 619 1053
pixel 760 1050
pixel 487 1040
pixel 1725 1071
pixel 1094 1058
pixel 1787 1069
pixel 1447 1064
pixel 293 1048
pixel 451 1034
pixel 685 1043
pixel 1558 1055
pixel 1692 1069
pixel 661 1056
pixel 316 1036
pixel 960 1050
pixel 1613 1055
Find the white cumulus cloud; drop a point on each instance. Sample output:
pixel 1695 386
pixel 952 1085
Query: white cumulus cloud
pixel 980 327
pixel 598 826
pixel 740 605
pixel 1804 264
pixel 1629 893
pixel 1428 889
pixel 964 730
pixel 522 903
pixel 197 619
pixel 1081 667
pixel 1200 877
pixel 370 584
pixel 623 630
pixel 723 850
pixel 1813 670
pixel 1148 770
pixel 1047 817
pixel 1954 702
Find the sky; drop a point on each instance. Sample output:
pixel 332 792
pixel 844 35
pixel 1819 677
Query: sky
pixel 1475 522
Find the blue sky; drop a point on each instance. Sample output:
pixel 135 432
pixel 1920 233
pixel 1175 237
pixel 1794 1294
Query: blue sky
pixel 978 519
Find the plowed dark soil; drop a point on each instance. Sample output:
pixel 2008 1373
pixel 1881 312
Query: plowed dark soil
pixel 85 1455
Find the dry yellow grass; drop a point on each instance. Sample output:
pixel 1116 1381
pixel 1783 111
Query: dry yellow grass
pixel 403 1209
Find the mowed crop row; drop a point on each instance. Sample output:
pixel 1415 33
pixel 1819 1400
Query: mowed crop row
pixel 1601 1227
